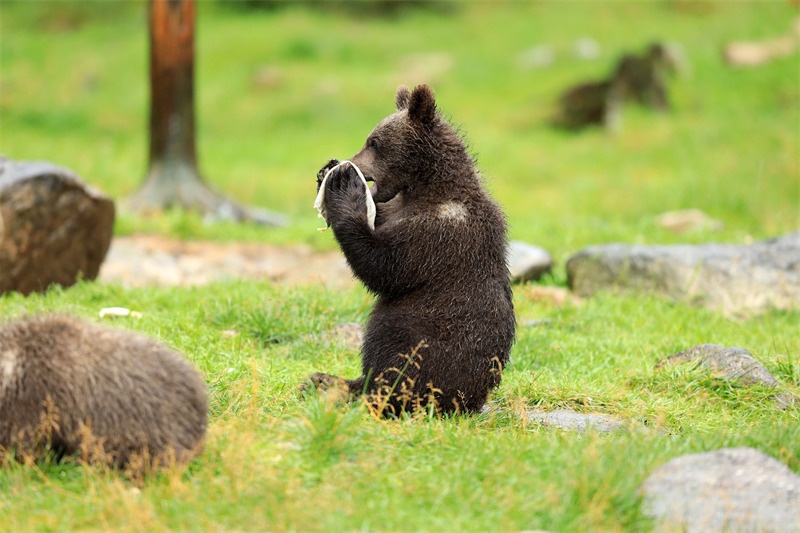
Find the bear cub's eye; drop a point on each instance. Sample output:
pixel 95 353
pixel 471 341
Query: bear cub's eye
pixel 372 143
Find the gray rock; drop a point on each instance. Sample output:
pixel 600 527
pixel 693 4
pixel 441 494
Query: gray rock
pixel 732 489
pixel 688 220
pixel 737 279
pixel 527 262
pixel 586 48
pixel 571 421
pixel 733 364
pixel 53 227
pixel 786 400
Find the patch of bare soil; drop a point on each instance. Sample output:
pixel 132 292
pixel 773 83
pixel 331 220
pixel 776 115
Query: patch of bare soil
pixel 146 260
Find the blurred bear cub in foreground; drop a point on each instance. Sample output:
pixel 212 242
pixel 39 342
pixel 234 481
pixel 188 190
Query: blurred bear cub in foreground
pixel 116 397
pixel 443 323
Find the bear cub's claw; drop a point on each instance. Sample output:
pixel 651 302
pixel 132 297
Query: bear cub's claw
pixel 324 170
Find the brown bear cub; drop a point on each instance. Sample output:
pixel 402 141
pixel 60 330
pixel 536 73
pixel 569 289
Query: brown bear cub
pixel 639 78
pixel 443 324
pixel 111 396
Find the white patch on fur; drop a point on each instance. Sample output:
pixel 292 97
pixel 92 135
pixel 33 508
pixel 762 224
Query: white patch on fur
pixel 453 211
pixel 8 363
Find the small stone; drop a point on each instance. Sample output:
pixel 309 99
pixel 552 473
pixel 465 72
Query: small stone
pixel 536 57
pixel 571 421
pixel 527 262
pixel 586 48
pixel 732 489
pixel 267 77
pixel 553 296
pixel 755 53
pixel 688 220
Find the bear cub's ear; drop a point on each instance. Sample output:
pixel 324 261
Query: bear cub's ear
pixel 421 105
pixel 402 98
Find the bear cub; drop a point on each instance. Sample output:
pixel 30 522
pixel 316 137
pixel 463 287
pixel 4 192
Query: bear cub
pixel 443 323
pixel 117 396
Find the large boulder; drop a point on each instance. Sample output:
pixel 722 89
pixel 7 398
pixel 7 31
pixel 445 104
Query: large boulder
pixel 737 279
pixel 53 227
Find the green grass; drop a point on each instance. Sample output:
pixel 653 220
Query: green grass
pixel 73 90
pixel 275 462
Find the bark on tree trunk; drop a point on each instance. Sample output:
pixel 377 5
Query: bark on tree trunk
pixel 173 178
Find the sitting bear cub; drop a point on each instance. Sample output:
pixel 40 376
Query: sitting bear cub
pixel 441 329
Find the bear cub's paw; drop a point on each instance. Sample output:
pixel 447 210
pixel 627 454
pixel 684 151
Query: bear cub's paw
pixel 321 382
pixel 345 195
pixel 342 179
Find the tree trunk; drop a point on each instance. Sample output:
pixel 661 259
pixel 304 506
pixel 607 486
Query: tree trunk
pixel 173 178
pixel 172 131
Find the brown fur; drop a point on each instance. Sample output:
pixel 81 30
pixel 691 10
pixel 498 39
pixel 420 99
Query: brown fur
pixel 638 78
pixel 590 103
pixel 643 78
pixel 443 323
pixel 110 395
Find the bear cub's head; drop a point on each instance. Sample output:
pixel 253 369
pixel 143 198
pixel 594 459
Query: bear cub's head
pixel 405 151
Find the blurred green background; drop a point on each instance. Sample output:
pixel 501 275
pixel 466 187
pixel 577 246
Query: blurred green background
pixel 283 86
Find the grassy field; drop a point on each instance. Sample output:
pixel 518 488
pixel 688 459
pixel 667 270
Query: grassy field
pixel 279 92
